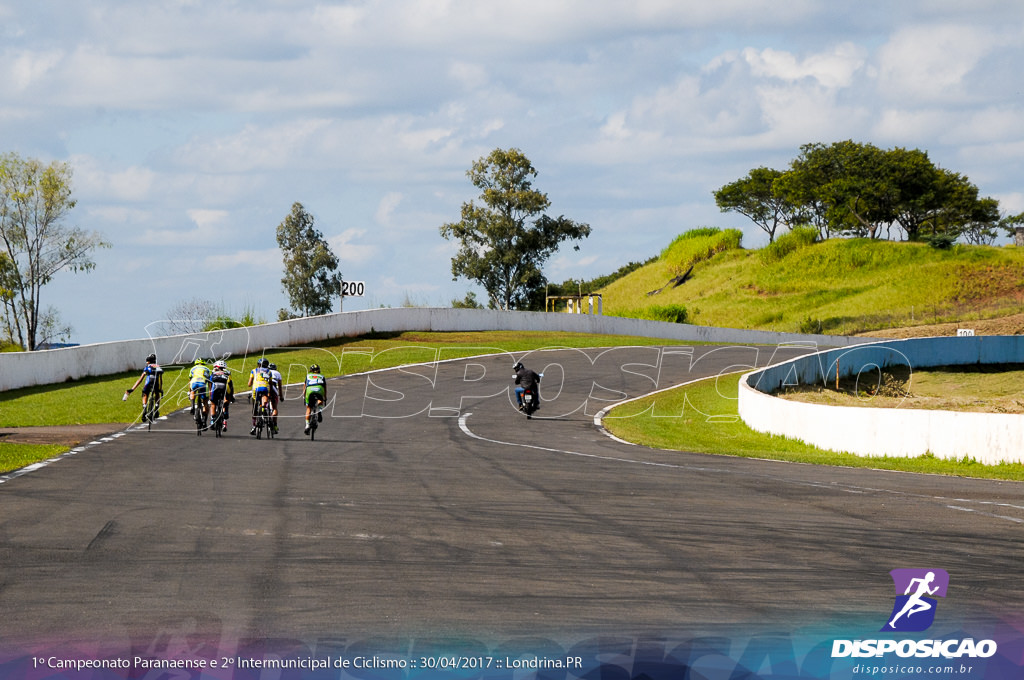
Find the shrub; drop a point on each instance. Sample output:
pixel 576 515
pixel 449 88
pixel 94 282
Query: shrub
pixel 941 241
pixel 670 313
pixel 788 243
pixel 701 244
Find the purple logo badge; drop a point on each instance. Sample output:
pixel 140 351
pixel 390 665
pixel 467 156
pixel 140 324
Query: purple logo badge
pixel 916 590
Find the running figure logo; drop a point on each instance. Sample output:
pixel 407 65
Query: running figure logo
pixel 914 609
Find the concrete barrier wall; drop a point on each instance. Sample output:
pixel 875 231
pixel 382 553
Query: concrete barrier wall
pixel 23 369
pixel 989 438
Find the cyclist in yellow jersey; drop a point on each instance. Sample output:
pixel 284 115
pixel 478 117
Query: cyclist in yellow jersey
pixel 199 384
pixel 259 381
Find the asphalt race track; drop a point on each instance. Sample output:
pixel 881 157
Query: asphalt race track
pixel 428 506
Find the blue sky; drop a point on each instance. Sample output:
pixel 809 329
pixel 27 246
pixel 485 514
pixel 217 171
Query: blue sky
pixel 192 126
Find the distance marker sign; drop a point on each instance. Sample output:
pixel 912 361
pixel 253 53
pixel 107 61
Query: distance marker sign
pixel 353 288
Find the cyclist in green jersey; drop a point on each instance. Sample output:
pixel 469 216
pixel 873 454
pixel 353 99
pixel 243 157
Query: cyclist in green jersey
pixel 316 390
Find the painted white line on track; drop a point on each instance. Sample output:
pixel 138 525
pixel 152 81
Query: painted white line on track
pixel 465 428
pixel 833 486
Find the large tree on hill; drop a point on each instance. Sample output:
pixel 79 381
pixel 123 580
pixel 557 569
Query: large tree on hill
pixel 505 240
pixel 859 189
pixel 754 197
pixel 311 277
pixel 35 200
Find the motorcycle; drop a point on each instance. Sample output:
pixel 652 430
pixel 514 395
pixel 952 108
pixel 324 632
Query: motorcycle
pixel 530 402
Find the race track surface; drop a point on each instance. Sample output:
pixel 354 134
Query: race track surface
pixel 429 506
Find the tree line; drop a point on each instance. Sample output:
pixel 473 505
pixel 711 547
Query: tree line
pixel 860 190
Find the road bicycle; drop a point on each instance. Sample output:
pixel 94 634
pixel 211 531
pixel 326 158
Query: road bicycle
pixel 314 418
pixel 151 411
pixel 264 420
pixel 200 409
pixel 218 417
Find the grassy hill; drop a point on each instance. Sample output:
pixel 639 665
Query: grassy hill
pixel 839 286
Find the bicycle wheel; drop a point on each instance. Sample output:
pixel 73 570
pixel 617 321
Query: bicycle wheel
pixel 314 419
pixel 149 410
pixel 199 411
pixel 218 418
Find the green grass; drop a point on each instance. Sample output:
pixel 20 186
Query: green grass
pixel 839 286
pixel 16 456
pixel 702 418
pixel 985 388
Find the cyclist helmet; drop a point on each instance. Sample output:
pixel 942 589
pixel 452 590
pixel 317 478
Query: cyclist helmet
pixel 151 359
pixel 200 362
pixel 265 363
pixel 220 364
pixel 272 367
pixel 315 368
pixel 518 367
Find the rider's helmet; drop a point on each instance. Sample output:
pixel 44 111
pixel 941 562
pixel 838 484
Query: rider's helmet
pixel 220 365
pixel 151 359
pixel 272 367
pixel 200 362
pixel 518 367
pixel 314 368
pixel 265 363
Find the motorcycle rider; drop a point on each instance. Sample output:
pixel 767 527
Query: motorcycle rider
pixel 526 379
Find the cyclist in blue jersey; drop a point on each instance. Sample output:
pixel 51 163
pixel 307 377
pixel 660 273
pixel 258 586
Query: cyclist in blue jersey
pixel 152 380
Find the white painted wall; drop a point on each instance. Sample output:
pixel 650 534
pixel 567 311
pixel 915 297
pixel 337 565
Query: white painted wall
pixel 23 369
pixel 987 437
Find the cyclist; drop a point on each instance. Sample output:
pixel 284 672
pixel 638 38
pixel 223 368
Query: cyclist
pixel 259 381
pixel 223 390
pixel 316 391
pixel 276 392
pixel 152 380
pixel 199 385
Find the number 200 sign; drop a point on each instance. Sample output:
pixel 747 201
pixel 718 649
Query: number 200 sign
pixel 353 288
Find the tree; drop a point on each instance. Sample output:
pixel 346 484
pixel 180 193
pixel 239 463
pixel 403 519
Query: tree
pixel 189 316
pixel 311 276
pixel 754 197
pixel 498 248
pixel 1013 225
pixel 858 189
pixel 35 200
pixel 468 302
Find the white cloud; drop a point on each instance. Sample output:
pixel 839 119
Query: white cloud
pixel 386 208
pixel 254 147
pixel 1012 203
pixel 931 63
pixel 27 68
pixel 132 183
pixel 248 261
pixel 833 69
pixel 207 220
pixel 350 249
pixel 471 76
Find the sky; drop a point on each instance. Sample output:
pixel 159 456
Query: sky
pixel 192 126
